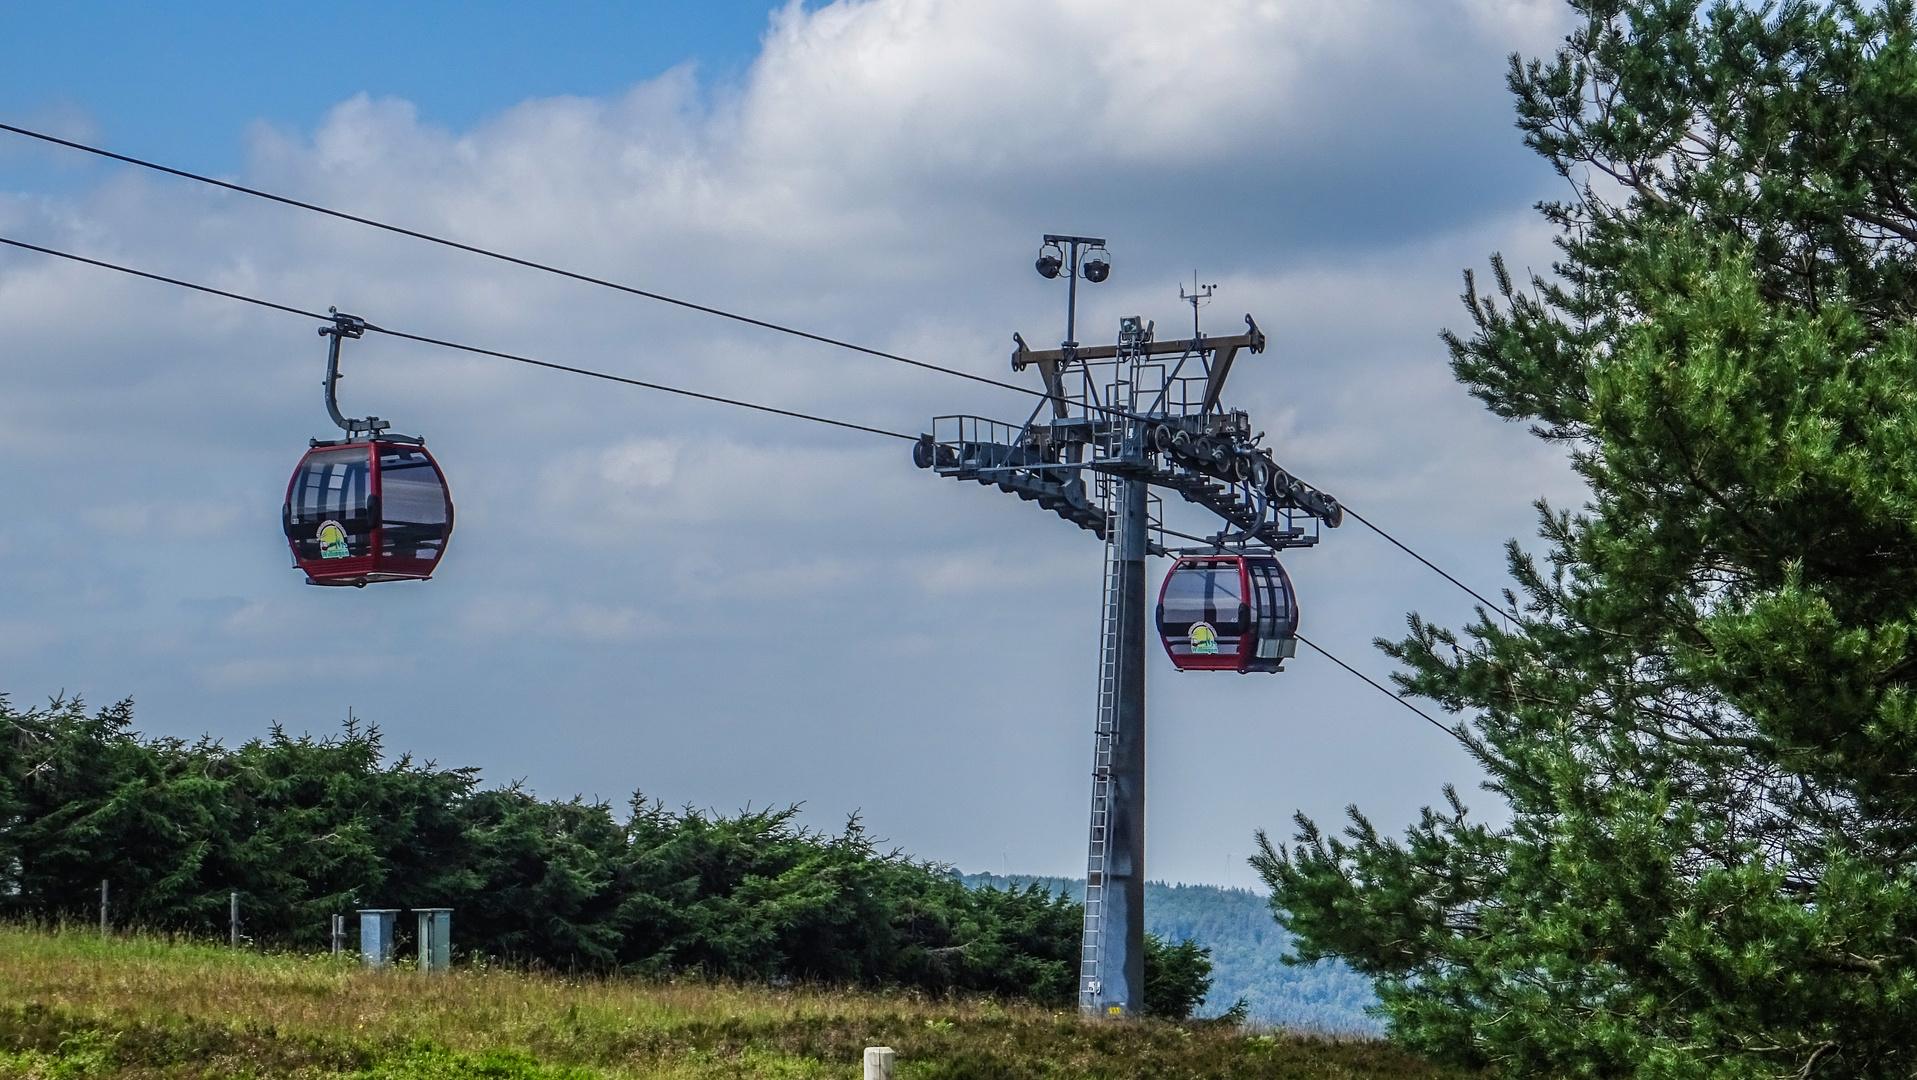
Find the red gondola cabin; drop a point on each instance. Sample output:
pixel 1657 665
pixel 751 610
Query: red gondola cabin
pixel 1228 613
pixel 359 512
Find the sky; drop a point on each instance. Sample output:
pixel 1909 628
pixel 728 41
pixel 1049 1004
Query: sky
pixel 720 608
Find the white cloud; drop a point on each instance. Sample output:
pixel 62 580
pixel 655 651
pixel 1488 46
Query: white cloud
pixel 898 89
pixel 977 571
pixel 21 637
pixel 601 496
pixel 167 524
pixel 508 617
pixel 646 463
pixel 881 174
pixel 63 119
pixel 596 623
pixel 246 673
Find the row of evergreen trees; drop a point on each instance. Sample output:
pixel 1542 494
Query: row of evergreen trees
pixel 302 828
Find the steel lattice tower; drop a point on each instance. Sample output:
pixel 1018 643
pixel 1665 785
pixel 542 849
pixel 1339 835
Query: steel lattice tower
pixel 1132 416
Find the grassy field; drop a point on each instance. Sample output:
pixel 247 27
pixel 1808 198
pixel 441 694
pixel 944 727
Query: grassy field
pixel 74 1005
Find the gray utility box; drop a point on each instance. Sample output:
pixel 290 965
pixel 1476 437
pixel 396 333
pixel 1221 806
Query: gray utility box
pixel 435 938
pixel 376 935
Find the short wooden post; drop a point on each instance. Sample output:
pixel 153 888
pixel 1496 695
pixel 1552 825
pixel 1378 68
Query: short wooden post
pixel 878 1062
pixel 233 919
pixel 103 907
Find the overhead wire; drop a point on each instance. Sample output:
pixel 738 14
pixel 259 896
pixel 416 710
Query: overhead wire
pixel 389 332
pixel 632 290
pixel 1455 733
pixel 647 294
pixel 163 278
pixel 1499 608
pixel 590 373
pixel 543 267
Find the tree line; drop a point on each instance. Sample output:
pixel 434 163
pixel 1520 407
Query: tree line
pixel 303 828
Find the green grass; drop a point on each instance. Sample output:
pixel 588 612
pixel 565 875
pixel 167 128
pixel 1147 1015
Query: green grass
pixel 74 1006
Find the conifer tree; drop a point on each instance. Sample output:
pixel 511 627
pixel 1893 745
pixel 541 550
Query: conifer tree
pixel 1703 725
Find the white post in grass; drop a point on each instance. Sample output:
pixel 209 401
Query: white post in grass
pixel 878 1062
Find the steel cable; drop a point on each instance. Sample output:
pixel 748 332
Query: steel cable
pixel 1440 570
pixel 455 345
pixel 1456 733
pixel 542 267
pixel 478 350
pixel 632 290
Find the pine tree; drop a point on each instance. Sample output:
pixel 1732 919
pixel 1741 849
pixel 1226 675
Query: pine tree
pixel 1703 726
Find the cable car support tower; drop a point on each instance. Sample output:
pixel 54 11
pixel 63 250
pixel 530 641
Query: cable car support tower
pixel 1117 421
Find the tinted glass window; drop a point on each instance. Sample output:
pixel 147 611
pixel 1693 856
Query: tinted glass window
pixel 1277 616
pixel 1204 592
pixel 327 506
pixel 412 504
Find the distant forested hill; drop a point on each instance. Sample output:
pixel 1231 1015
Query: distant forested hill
pixel 1245 944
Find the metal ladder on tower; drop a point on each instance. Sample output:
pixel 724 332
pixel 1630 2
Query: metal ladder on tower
pixel 1090 972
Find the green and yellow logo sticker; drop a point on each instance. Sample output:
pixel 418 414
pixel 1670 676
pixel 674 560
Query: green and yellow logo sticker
pixel 332 540
pixel 1204 639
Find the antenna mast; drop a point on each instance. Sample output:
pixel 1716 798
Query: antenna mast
pixel 1193 298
